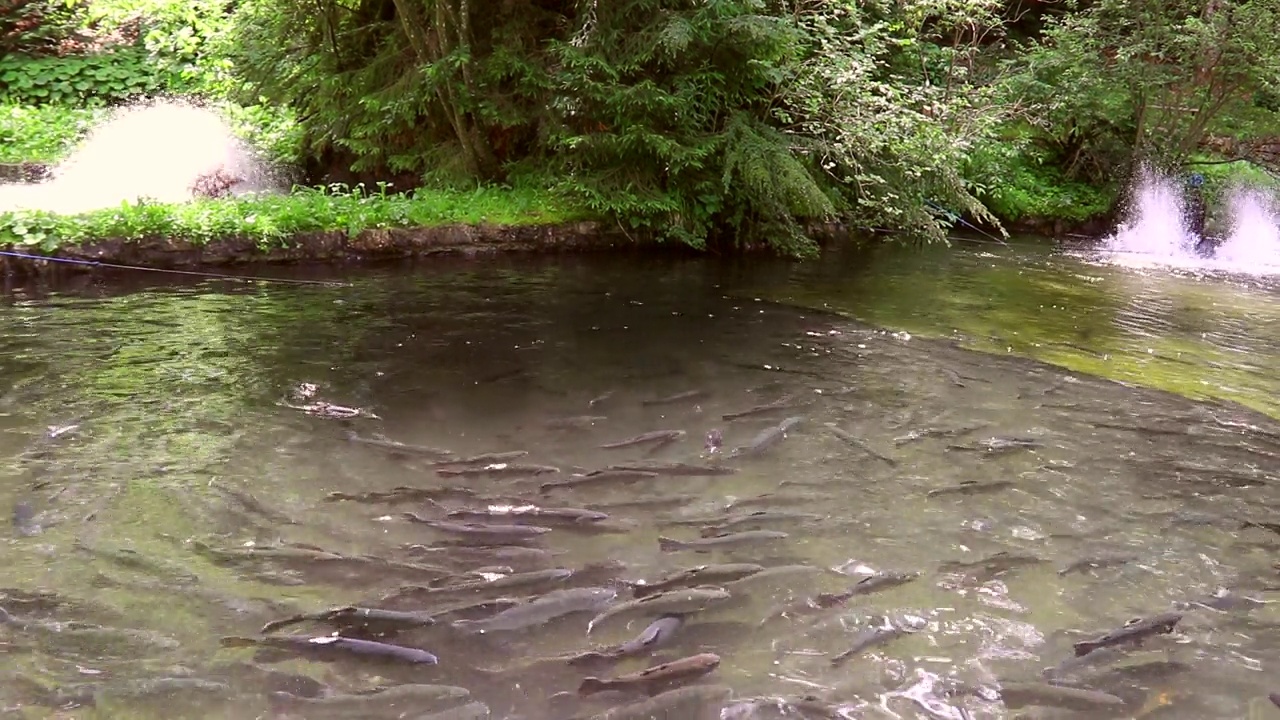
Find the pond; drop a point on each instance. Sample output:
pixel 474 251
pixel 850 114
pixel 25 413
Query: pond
pixel 924 484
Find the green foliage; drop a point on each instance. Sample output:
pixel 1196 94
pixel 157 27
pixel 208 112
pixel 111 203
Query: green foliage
pixel 83 81
pixel 1018 183
pixel 271 220
pixel 42 134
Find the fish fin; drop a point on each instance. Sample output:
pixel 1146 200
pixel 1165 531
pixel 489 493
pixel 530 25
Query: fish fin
pixel 592 685
pixel 666 544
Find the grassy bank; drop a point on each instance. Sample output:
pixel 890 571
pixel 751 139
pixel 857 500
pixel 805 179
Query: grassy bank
pixel 272 220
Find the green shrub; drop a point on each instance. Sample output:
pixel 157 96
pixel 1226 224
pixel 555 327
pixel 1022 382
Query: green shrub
pixel 43 134
pixel 89 80
pixel 1016 185
pixel 271 220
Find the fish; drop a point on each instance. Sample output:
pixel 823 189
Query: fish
pixel 1021 694
pixel 1097 563
pixel 859 443
pixel 655 679
pixel 401 494
pixel 397 448
pixel 992 566
pixel 480 530
pixel 391 702
pixel 598 476
pixel 766 439
pixel 770 573
pixel 994 445
pixel 680 601
pixel 487 458
pixel 24 519
pixel 518 556
pixel 758 517
pixel 723 540
pixel 868 639
pixel 573 516
pixel 676 468
pixel 659 437
pixel 865 586
pixel 471 711
pixel 775 500
pixel 372 621
pixel 783 404
pixel 329 647
pixel 1133 631
pixel 1274 698
pixel 713 441
pixel 922 433
pixel 658 633
pixel 694 576
pixel 498 470
pixel 521 580
pixel 600 399
pixel 972 487
pixel 678 397
pixel 694 702
pixel 575 422
pixel 554 604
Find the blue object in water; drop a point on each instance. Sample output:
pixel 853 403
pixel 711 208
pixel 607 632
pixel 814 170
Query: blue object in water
pixel 1195 180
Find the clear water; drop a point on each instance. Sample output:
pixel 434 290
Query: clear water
pixel 184 433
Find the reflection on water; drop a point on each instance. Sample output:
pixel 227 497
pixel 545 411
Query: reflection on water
pixel 1196 334
pixel 172 497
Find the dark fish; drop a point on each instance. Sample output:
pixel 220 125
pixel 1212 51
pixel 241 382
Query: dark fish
pixel 653 680
pixel 402 494
pixel 24 519
pixel 555 604
pixel 1097 563
pixel 866 586
pixel 995 445
pixel 868 639
pixel 332 646
pixel 573 516
pixel 488 458
pixel 681 601
pixel 1133 631
pixel 991 567
pixel 1021 694
pixel 922 433
pixel 577 422
pixel 859 443
pixel 694 576
pixel 371 621
pixel 498 470
pixel 678 397
pixel 481 530
pixel 519 557
pixel 659 633
pixel 675 468
pixel 506 582
pixel 722 540
pixel 599 476
pixel 387 702
pixel 659 437
pixel 766 439
pixel 972 487
pixel 753 519
pixel 783 404
pixel 713 442
pixel 1274 698
pixel 397 448
pixel 694 702
pixel 776 500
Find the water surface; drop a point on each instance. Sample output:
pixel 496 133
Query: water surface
pixel 185 441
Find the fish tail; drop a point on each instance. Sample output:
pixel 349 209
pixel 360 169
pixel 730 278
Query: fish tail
pixel 1084 647
pixel 666 544
pixel 592 685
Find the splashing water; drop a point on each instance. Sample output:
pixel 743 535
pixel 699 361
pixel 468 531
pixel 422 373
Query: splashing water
pixel 1157 227
pixel 154 151
pixel 1255 231
pixel 1157 232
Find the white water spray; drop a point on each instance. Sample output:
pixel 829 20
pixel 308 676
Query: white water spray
pixel 155 151
pixel 1156 231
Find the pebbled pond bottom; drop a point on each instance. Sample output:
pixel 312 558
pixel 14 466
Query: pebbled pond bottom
pixel 173 495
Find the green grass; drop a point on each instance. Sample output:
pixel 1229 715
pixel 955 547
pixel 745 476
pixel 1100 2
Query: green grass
pixel 273 220
pixel 43 134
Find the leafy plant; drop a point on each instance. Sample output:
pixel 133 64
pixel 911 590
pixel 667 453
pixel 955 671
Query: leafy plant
pixel 42 134
pixel 86 80
pixel 272 220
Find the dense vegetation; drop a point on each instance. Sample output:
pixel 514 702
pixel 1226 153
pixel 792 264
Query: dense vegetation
pixel 728 120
